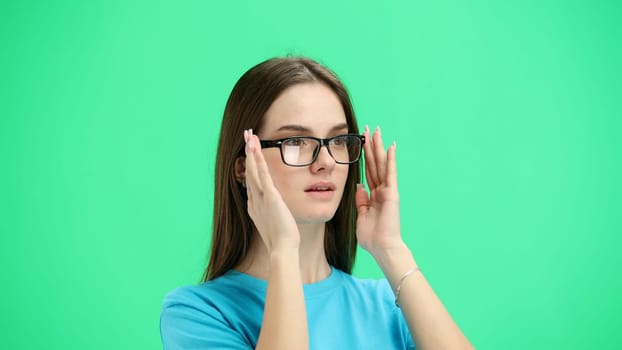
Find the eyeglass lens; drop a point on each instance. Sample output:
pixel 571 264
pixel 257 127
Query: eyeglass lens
pixel 303 151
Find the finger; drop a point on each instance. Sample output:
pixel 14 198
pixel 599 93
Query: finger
pixel 361 199
pixel 370 162
pixel 391 166
pixel 368 176
pixel 380 157
pixel 262 167
pixel 252 178
pixel 247 175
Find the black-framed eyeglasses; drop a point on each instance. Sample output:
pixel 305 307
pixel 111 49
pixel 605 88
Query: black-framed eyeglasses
pixel 304 150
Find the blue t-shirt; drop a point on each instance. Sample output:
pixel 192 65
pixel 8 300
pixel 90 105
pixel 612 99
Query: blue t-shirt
pixel 343 312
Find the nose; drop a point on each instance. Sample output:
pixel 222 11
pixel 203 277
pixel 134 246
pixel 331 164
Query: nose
pixel 324 160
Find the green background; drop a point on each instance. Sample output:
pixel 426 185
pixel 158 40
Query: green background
pixel 507 117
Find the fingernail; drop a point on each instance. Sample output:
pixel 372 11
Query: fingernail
pixel 394 143
pixel 367 128
pixel 377 129
pixel 360 186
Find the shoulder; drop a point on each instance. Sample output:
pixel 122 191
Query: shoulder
pixel 216 292
pixel 195 295
pixel 191 304
pixel 203 314
pixel 193 292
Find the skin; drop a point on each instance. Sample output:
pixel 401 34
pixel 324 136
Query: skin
pixel 289 249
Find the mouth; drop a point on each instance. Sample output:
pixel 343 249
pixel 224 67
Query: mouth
pixel 321 187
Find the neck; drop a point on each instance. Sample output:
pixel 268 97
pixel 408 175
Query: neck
pixel 313 263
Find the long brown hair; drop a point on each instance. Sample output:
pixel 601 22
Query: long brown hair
pixel 250 98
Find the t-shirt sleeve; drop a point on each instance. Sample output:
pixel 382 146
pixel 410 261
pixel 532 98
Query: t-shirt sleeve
pixel 189 322
pixel 410 345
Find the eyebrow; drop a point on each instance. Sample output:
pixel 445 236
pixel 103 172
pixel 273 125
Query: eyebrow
pixel 300 128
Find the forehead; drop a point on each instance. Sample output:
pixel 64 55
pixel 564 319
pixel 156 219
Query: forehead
pixel 313 106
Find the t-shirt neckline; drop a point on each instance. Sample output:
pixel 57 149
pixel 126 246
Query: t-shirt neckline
pixel 310 289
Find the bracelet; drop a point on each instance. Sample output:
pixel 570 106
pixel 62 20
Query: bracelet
pixel 399 284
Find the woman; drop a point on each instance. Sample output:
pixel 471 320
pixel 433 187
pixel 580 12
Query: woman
pixel 288 213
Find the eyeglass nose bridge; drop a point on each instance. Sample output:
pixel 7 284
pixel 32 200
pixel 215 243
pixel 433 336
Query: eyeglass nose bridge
pixel 318 149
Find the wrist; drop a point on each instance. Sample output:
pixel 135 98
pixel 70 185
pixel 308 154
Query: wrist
pixel 284 253
pixel 395 261
pixel 391 254
pixel 283 246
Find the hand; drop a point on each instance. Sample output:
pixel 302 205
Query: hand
pixel 275 223
pixel 378 223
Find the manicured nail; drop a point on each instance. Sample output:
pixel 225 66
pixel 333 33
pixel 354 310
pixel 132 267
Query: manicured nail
pixel 367 128
pixel 360 186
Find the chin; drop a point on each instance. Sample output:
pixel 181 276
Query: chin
pixel 316 218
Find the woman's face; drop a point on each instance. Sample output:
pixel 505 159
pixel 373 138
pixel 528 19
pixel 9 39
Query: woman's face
pixel 308 109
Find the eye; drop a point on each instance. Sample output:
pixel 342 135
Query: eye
pixel 340 141
pixel 296 141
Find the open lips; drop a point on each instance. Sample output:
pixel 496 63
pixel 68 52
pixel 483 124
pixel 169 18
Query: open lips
pixel 320 187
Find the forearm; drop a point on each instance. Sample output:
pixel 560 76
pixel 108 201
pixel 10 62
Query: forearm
pixel 284 323
pixel 429 323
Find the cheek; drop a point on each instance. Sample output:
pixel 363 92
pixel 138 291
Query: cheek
pixel 274 163
pixel 343 174
pixel 280 173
